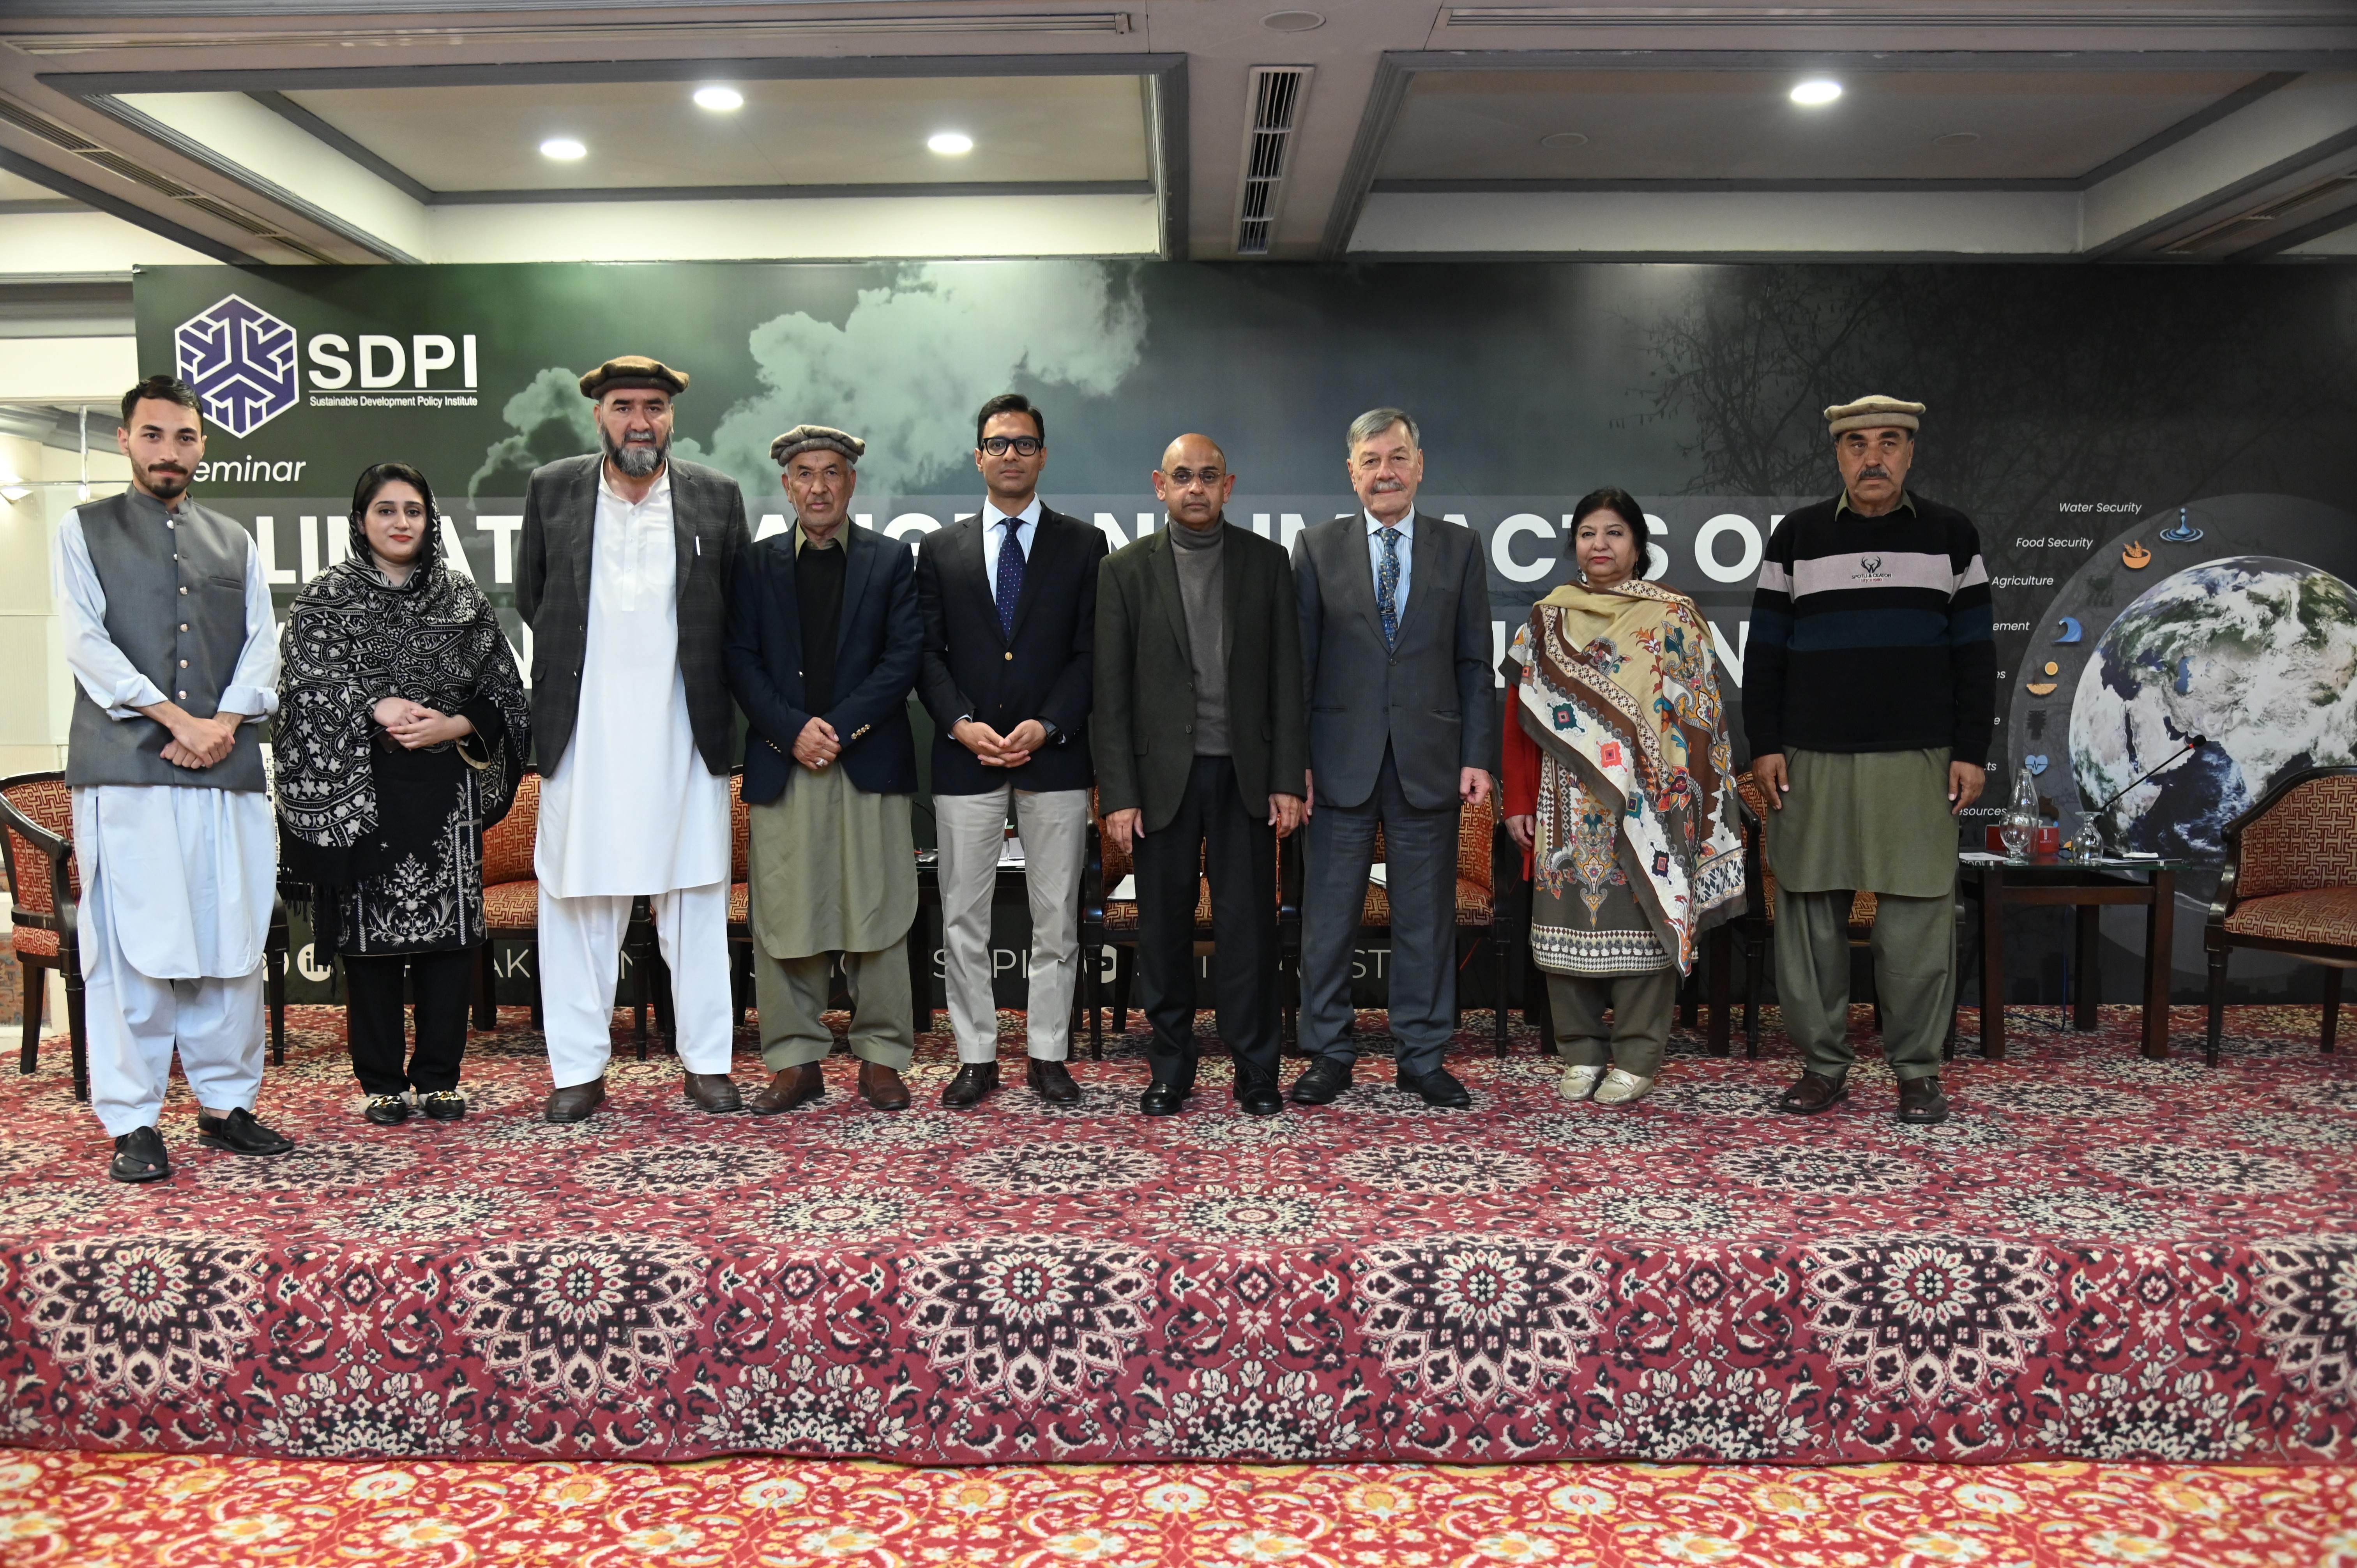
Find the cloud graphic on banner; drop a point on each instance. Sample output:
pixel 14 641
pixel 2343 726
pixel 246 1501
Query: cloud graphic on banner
pixel 909 366
pixel 242 361
pixel 552 397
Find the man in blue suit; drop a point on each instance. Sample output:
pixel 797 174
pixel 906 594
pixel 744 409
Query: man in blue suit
pixel 824 645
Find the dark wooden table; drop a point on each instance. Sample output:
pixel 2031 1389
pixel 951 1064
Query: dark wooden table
pixel 1998 882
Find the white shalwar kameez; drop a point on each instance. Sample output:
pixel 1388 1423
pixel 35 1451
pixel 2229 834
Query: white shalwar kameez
pixel 178 883
pixel 631 810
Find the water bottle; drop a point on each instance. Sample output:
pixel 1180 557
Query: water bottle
pixel 2021 820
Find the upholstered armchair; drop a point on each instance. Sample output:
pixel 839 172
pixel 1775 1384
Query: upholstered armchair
pixel 2289 887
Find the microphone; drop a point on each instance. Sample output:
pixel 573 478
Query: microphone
pixel 2196 743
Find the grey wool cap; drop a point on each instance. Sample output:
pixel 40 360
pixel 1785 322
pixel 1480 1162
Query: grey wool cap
pixel 816 438
pixel 1875 412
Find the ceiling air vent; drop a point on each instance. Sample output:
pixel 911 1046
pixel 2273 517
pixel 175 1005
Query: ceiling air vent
pixel 1273 95
pixel 47 129
pixel 2239 225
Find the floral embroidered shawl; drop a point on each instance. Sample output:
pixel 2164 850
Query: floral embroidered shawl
pixel 1619 691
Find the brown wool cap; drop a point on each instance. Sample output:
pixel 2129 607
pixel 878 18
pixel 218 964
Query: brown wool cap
pixel 816 438
pixel 1875 412
pixel 633 371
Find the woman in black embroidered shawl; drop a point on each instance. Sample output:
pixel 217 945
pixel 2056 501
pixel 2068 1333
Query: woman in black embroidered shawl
pixel 401 736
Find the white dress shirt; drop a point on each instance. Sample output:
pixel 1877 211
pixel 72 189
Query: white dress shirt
pixel 1375 558
pixel 994 524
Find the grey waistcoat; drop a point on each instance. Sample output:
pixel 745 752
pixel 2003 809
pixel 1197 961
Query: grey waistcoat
pixel 173 593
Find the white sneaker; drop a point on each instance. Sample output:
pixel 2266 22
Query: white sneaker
pixel 1622 1088
pixel 1580 1082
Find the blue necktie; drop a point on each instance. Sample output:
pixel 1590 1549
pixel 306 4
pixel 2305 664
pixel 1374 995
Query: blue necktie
pixel 1010 578
pixel 1387 588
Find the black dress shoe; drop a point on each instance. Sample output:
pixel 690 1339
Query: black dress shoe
pixel 1440 1088
pixel 1053 1081
pixel 386 1110
pixel 1258 1096
pixel 139 1157
pixel 443 1104
pixel 973 1083
pixel 240 1133
pixel 714 1093
pixel 1162 1099
pixel 575 1102
pixel 1922 1102
pixel 1325 1079
pixel 1814 1092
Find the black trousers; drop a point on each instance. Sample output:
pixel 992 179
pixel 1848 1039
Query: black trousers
pixel 1237 849
pixel 440 981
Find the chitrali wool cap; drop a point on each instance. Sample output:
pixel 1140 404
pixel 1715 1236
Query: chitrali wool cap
pixel 633 371
pixel 1875 412
pixel 816 438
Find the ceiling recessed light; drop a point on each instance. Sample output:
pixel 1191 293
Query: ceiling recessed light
pixel 1956 139
pixel 1563 141
pixel 1293 21
pixel 722 99
pixel 1816 93
pixel 563 147
pixel 950 142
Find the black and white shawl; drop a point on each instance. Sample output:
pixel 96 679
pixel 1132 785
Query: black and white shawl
pixel 352 640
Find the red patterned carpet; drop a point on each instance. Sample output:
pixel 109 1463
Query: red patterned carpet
pixel 2100 1257
pixel 83 1511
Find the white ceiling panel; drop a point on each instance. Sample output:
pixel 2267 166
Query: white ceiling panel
pixel 1685 124
pixel 839 132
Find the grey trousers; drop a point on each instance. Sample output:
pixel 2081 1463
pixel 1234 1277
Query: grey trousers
pixel 1054 829
pixel 1420 850
pixel 791 993
pixel 1640 1032
pixel 1914 976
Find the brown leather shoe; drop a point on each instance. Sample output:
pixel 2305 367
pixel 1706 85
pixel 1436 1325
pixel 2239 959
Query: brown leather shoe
pixel 975 1082
pixel 1053 1081
pixel 712 1092
pixel 881 1085
pixel 1922 1102
pixel 787 1088
pixel 575 1102
pixel 1814 1094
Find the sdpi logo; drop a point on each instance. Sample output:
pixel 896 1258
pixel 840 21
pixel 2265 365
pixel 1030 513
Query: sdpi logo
pixel 242 361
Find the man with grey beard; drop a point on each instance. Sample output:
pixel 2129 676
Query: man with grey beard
pixel 623 576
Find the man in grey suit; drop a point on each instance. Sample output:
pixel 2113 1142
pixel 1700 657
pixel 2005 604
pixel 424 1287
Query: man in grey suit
pixel 1395 652
pixel 623 578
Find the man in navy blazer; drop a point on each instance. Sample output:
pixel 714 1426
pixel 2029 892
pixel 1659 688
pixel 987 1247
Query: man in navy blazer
pixel 1010 601
pixel 824 644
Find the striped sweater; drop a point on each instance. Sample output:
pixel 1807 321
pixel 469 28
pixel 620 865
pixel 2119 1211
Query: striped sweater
pixel 1871 634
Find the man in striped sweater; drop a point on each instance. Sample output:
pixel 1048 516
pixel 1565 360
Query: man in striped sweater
pixel 1869 687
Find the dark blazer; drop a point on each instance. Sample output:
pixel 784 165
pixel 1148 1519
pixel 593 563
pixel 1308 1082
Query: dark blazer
pixel 878 648
pixel 972 669
pixel 1143 722
pixel 560 518
pixel 1432 699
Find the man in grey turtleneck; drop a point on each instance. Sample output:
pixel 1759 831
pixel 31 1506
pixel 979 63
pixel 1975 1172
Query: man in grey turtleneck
pixel 1214 778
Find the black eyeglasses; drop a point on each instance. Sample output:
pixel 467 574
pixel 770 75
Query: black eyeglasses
pixel 1181 477
pixel 1024 445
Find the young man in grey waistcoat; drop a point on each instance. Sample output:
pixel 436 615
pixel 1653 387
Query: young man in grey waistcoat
pixel 169 635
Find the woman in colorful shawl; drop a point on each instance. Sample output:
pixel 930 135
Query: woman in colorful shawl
pixel 401 736
pixel 1621 793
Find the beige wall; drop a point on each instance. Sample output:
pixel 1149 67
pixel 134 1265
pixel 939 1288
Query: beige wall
pixel 35 689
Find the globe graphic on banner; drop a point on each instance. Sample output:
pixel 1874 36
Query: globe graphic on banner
pixel 2256 652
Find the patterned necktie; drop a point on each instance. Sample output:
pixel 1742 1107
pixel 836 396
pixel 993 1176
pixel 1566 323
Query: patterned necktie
pixel 1387 588
pixel 1010 578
